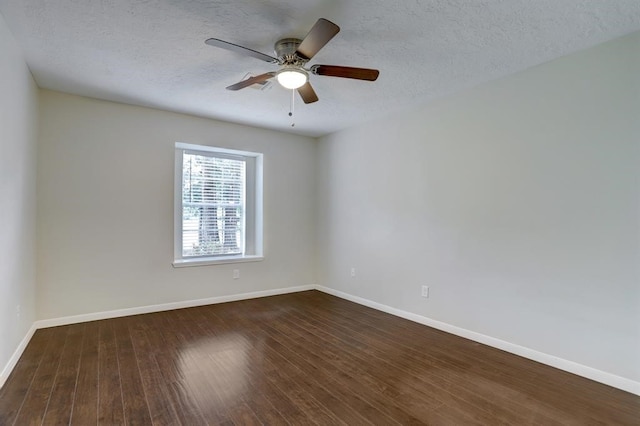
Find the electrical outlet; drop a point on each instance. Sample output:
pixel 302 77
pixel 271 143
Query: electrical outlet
pixel 18 309
pixel 353 272
pixel 236 274
pixel 425 291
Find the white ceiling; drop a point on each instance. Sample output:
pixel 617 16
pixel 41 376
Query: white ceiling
pixel 152 52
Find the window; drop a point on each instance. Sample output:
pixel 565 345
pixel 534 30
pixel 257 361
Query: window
pixel 218 205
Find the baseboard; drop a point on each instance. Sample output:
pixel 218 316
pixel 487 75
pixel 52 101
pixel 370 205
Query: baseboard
pixel 74 319
pixel 553 361
pixel 8 368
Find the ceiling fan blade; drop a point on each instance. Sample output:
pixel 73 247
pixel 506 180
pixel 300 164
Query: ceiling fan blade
pixel 320 34
pixel 240 49
pixel 346 72
pixel 307 93
pixel 251 80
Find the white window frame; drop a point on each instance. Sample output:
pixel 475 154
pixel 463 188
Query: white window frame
pixel 254 209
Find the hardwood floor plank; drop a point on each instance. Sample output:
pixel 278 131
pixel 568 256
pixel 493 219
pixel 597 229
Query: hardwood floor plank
pixel 283 349
pixel 110 403
pixel 297 359
pixel 35 403
pixel 136 408
pixel 426 407
pixel 242 414
pixel 157 395
pixel 256 382
pixel 14 391
pixel 478 383
pixel 192 372
pixel 545 394
pixel 60 403
pixel 265 411
pixel 167 356
pixel 342 404
pixel 398 360
pixel 339 384
pixel 85 404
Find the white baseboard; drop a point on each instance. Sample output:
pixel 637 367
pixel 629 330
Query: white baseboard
pixel 553 361
pixel 74 319
pixel 8 368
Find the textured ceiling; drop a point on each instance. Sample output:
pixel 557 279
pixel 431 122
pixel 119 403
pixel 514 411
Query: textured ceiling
pixel 152 52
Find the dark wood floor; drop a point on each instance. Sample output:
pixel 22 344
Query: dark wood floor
pixel 305 358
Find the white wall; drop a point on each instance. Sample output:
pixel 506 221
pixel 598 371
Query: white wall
pixel 18 128
pixel 517 202
pixel 105 208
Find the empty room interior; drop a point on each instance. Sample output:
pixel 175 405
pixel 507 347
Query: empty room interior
pixel 319 212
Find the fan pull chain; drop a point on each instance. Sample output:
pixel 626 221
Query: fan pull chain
pixel 292 107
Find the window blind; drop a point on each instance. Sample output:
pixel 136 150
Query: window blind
pixel 213 205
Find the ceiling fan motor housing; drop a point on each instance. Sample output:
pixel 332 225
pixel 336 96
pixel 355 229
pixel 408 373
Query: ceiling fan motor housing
pixel 285 50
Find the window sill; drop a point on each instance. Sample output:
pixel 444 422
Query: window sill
pixel 205 261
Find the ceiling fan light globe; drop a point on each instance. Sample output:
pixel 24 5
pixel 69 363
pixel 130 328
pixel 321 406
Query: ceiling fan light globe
pixel 292 78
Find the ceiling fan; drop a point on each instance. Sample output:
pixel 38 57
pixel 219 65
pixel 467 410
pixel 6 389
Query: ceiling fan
pixel 292 56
